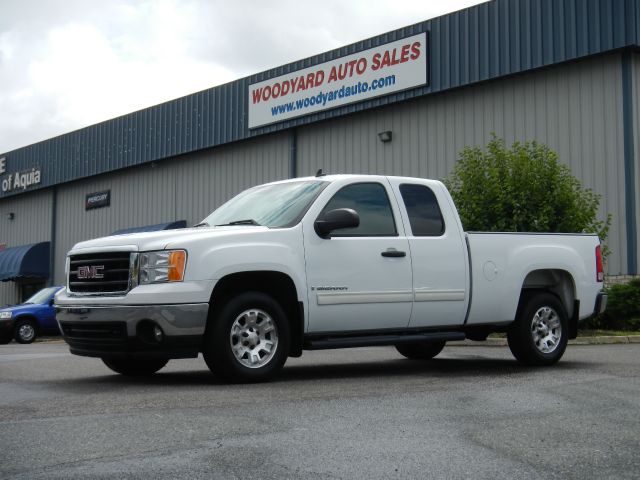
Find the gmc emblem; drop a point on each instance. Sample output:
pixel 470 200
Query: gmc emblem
pixel 91 272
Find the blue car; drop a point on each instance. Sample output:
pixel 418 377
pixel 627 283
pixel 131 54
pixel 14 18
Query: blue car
pixel 26 321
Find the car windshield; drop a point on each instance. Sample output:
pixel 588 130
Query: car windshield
pixel 42 296
pixel 275 206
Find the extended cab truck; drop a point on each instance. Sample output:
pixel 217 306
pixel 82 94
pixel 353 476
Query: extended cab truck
pixel 324 262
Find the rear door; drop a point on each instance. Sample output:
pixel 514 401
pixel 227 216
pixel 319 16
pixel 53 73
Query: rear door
pixel 359 279
pixel 438 254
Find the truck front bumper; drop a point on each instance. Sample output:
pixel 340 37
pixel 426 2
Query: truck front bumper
pixel 6 328
pixel 125 331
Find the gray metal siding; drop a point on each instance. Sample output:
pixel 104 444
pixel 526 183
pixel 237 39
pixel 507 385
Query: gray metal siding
pixel 576 109
pixel 490 40
pixel 207 179
pixel 188 189
pixel 9 293
pixel 31 224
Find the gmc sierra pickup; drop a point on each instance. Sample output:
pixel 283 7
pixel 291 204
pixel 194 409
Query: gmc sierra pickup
pixel 324 262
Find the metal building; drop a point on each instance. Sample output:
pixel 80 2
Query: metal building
pixel 563 72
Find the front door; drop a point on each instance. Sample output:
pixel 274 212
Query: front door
pixel 360 278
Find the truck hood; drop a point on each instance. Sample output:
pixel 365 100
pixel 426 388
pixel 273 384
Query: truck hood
pixel 166 238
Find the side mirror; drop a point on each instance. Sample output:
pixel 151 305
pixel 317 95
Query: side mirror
pixel 335 220
pixel 51 302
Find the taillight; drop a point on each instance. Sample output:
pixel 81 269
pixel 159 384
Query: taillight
pixel 599 269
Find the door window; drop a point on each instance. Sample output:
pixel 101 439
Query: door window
pixel 371 202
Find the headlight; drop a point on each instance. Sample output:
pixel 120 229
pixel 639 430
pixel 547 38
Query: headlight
pixel 5 315
pixel 162 266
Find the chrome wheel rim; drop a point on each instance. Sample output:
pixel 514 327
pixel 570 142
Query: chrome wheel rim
pixel 254 338
pixel 546 330
pixel 26 332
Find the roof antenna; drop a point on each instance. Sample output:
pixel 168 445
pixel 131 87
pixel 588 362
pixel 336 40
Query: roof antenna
pixel 320 173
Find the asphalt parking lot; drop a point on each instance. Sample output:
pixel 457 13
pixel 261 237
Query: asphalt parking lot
pixel 362 413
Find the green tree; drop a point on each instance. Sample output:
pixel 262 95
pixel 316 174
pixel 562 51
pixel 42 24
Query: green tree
pixel 522 189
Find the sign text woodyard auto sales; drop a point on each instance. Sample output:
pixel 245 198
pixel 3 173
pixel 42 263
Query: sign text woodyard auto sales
pixel 371 73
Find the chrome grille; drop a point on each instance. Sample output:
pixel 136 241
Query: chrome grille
pixel 100 273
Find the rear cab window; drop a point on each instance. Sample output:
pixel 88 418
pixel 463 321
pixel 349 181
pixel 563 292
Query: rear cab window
pixel 424 212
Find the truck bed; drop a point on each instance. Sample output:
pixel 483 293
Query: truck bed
pixel 498 263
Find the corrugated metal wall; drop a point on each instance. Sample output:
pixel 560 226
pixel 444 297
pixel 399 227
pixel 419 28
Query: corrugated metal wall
pixel 188 189
pixel 8 293
pixel 31 224
pixel 206 180
pixel 490 40
pixel 575 109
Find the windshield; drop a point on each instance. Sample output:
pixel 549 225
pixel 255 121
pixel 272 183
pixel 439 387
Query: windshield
pixel 42 296
pixel 276 206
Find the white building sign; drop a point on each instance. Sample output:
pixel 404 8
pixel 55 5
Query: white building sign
pixel 20 180
pixel 382 70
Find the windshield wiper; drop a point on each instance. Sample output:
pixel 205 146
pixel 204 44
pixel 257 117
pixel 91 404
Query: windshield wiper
pixel 249 221
pixel 201 224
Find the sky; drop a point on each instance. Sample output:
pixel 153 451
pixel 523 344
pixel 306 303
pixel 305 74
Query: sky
pixel 67 64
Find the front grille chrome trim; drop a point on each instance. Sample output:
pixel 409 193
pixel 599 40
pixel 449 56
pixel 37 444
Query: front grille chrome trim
pixel 76 287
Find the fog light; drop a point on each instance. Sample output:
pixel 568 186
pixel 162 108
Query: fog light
pixel 157 333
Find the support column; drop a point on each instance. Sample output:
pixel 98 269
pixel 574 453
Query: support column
pixel 629 162
pixel 293 153
pixel 52 242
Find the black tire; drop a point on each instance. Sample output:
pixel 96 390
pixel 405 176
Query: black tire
pixel 539 334
pixel 243 325
pixel 25 331
pixel 420 351
pixel 135 367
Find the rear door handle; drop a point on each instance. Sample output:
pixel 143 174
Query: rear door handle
pixel 393 253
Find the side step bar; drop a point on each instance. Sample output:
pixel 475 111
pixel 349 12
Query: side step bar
pixel 378 340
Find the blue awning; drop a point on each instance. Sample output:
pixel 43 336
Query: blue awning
pixel 152 228
pixel 25 261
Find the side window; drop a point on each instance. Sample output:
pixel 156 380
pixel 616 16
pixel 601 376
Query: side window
pixel 423 209
pixel 371 202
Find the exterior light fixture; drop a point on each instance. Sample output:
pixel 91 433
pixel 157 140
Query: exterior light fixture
pixel 385 136
pixel 11 216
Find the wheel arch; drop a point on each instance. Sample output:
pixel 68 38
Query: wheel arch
pixel 556 281
pixel 27 316
pixel 278 285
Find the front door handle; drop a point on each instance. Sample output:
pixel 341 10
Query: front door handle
pixel 393 253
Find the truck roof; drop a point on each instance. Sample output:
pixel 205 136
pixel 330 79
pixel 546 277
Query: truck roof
pixel 334 177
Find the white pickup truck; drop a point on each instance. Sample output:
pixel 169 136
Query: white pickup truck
pixel 324 262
